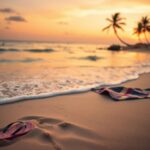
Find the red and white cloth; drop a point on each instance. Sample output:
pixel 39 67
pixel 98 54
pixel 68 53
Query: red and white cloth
pixel 123 93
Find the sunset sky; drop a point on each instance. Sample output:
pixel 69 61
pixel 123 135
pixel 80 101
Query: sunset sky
pixel 68 20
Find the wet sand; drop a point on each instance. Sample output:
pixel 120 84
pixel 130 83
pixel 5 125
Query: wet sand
pixel 85 121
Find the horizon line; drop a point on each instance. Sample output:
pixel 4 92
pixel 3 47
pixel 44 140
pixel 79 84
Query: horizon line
pixel 47 41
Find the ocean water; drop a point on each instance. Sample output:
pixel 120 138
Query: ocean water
pixel 31 70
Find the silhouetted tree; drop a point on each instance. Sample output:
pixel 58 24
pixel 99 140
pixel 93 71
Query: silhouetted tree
pixel 116 22
pixel 138 30
pixel 145 21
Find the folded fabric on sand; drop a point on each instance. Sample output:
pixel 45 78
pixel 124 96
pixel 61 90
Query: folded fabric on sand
pixel 123 93
pixel 16 129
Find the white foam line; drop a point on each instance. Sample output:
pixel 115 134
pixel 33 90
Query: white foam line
pixel 46 95
pixel 72 91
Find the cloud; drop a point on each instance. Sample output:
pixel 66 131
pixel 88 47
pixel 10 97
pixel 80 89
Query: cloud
pixel 139 1
pixel 16 19
pixel 115 4
pixel 7 10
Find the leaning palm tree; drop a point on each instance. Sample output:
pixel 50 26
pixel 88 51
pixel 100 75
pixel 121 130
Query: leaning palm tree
pixel 145 21
pixel 138 30
pixel 116 22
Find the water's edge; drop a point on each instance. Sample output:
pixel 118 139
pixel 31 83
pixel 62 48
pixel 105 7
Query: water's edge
pixel 67 92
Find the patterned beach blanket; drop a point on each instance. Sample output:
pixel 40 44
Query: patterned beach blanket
pixel 15 130
pixel 123 93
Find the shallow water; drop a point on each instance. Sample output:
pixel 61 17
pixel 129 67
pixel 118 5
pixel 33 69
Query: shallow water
pixel 37 69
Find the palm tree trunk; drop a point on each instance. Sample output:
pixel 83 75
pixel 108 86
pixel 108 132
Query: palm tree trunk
pixel 139 38
pixel 146 38
pixel 116 33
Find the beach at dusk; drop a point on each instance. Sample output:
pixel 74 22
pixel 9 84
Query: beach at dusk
pixel 74 75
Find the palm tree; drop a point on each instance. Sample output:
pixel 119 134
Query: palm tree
pixel 145 21
pixel 116 22
pixel 138 30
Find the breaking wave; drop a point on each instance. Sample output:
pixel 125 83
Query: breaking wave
pixel 27 60
pixel 3 50
pixel 52 82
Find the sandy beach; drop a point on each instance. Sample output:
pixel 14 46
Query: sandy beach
pixel 85 121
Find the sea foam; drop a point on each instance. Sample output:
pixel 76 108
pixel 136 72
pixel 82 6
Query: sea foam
pixel 55 82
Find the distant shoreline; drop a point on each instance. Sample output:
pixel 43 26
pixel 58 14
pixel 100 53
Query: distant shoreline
pixel 137 47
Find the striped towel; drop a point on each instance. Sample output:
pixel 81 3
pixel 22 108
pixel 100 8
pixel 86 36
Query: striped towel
pixel 123 93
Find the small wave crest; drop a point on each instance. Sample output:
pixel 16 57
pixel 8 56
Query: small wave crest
pixel 90 58
pixel 27 60
pixel 3 50
pixel 39 50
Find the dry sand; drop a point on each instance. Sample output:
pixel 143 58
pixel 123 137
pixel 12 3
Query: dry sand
pixel 86 121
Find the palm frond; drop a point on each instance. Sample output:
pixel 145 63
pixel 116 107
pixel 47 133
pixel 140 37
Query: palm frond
pixel 120 19
pixel 148 28
pixel 119 27
pixel 107 27
pixel 116 16
pixel 109 20
pixel 122 23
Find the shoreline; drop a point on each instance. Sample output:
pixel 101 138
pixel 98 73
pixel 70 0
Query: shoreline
pixel 84 121
pixel 7 101
pixel 134 47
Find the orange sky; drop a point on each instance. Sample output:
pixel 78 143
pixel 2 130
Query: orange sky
pixel 68 20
